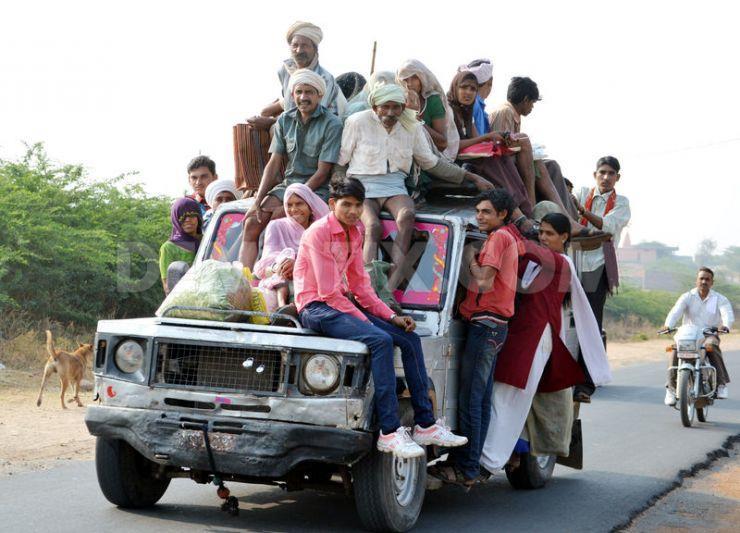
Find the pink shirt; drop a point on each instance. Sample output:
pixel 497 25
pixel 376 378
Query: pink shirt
pixel 327 268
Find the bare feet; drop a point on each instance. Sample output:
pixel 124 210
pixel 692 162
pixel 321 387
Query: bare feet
pixel 514 461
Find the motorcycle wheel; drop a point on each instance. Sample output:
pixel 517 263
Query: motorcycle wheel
pixel 685 386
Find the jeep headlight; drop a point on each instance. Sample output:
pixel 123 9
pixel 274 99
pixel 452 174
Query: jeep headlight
pixel 321 373
pixel 129 357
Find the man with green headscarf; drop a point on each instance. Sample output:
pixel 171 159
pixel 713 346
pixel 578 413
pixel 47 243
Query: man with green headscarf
pixel 379 146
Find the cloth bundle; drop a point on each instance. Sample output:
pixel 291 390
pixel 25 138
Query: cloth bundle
pixel 486 149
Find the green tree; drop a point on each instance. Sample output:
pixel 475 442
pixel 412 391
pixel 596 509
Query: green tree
pixel 705 252
pixel 63 250
pixel 730 259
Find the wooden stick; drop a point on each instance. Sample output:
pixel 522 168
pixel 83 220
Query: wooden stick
pixel 372 63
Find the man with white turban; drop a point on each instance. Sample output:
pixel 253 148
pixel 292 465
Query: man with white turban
pixel 305 142
pixel 303 39
pixel 379 146
pixel 483 71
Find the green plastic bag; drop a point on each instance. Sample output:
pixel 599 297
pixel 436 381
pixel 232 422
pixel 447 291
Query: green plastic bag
pixel 210 285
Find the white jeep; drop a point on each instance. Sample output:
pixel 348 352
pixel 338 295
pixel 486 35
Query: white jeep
pixel 234 401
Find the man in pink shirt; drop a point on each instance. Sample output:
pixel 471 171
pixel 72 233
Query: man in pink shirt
pixel 329 266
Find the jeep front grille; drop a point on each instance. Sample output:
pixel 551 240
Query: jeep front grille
pixel 218 367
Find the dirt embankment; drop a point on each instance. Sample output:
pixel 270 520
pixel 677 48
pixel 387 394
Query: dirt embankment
pixel 35 438
pixel 708 502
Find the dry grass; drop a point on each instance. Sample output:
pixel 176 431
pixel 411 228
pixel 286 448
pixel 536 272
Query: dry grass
pixel 631 329
pixel 23 341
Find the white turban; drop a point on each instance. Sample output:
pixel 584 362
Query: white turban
pixel 308 77
pixel 219 186
pixel 307 30
pixel 483 71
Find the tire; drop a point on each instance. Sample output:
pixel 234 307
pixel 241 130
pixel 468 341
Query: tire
pixel 126 477
pixel 385 501
pixel 686 405
pixel 707 384
pixel 532 473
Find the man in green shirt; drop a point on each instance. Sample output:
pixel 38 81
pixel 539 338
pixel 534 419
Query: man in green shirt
pixel 306 141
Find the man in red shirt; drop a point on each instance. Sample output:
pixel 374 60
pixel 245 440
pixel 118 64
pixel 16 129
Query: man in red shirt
pixel 491 278
pixel 329 266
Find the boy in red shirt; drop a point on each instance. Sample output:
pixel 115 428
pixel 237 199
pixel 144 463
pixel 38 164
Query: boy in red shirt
pixel 491 280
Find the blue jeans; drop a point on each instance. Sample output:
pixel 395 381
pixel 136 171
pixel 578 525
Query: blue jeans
pixel 380 336
pixel 474 394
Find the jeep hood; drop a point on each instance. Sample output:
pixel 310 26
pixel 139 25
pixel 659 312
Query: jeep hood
pixel 228 333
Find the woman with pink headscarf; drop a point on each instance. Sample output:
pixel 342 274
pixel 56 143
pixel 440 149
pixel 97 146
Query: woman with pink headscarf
pixel 282 236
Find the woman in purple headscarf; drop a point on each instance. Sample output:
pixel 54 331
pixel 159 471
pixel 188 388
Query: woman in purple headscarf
pixel 282 236
pixel 187 229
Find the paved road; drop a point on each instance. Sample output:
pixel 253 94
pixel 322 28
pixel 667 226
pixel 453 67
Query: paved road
pixel 634 449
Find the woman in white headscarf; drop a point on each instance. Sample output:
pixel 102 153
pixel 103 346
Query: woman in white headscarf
pixel 433 109
pixel 302 207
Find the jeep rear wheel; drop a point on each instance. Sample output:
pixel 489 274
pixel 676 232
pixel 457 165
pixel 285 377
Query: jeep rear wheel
pixel 533 471
pixel 127 478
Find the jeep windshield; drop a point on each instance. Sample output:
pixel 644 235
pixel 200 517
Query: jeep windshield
pixel 425 278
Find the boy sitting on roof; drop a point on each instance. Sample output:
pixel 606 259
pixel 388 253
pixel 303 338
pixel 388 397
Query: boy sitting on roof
pixel 521 96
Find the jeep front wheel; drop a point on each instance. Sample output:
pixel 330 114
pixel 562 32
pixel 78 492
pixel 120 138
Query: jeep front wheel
pixel 389 491
pixel 127 478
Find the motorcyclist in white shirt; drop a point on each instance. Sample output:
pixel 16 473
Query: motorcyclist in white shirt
pixel 705 308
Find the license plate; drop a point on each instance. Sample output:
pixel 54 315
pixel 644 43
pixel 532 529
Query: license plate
pixel 193 440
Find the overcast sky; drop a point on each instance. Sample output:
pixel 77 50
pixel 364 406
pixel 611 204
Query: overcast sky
pixel 145 86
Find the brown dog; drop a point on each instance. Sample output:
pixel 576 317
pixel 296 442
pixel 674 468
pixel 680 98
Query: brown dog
pixel 69 366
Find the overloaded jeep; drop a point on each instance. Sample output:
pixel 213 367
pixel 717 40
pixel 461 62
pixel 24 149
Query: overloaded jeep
pixel 279 404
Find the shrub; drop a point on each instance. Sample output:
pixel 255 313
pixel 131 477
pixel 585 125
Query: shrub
pixel 64 248
pixel 650 306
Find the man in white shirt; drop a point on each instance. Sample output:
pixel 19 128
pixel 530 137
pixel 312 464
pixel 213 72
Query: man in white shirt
pixel 702 307
pixel 601 208
pixel 379 146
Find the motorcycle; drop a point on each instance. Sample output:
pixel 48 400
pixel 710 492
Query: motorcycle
pixel 696 380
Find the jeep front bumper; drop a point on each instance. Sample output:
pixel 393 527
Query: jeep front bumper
pixel 247 447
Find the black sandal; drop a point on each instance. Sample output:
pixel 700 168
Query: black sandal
pixel 451 474
pixel 581 397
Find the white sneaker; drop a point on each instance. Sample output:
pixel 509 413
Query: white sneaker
pixel 722 392
pixel 438 435
pixel 670 398
pixel 400 444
